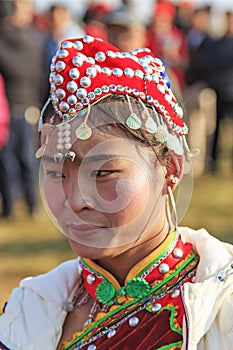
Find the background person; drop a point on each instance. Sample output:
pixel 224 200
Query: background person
pixel 5 190
pixel 21 64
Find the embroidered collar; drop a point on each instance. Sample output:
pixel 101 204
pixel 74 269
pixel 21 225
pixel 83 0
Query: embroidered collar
pixel 163 264
pixel 151 293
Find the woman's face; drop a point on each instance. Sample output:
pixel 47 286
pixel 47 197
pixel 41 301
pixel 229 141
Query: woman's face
pixel 109 198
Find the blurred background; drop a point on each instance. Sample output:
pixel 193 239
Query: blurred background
pixel 195 41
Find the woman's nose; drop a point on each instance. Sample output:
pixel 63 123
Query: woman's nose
pixel 78 198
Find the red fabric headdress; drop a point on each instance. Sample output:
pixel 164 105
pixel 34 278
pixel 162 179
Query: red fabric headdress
pixel 87 69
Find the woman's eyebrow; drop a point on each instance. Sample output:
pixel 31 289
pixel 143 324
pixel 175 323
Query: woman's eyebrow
pixel 87 159
pixel 98 157
pixel 46 158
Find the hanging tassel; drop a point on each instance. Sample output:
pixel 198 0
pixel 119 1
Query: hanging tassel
pixel 84 132
pixel 46 131
pixel 133 121
pixel 151 126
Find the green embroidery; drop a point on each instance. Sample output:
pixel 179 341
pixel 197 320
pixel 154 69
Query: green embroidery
pixel 172 318
pixel 105 293
pixel 171 346
pixel 137 288
pixel 130 303
pixel 121 291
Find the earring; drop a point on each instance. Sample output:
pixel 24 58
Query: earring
pixel 173 206
pixel 175 180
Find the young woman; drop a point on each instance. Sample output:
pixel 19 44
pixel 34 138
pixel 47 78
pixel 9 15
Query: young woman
pixel 113 151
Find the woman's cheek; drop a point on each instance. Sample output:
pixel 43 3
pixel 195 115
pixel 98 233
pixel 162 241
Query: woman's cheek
pixel 140 195
pixel 129 199
pixel 54 198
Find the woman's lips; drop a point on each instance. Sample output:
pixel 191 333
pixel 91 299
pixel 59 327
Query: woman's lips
pixel 83 230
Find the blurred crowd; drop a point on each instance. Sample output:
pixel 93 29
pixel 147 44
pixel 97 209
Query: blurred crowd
pixel 195 45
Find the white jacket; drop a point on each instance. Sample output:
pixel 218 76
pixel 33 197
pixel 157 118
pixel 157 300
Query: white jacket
pixel 34 315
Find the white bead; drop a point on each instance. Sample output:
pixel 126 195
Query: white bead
pixel 77 61
pixel 158 62
pixel 175 294
pixel 53 87
pixel 148 77
pixel 90 60
pixel 81 93
pixel 164 268
pixel 68 145
pixel 60 93
pixel 129 72
pixel 67 139
pixel 67 126
pixel 64 106
pixel 74 73
pixel 60 65
pixel 71 86
pixel 111 333
pixel 67 45
pixel 155 77
pixel 79 45
pixel 91 72
pixel 85 82
pixel 58 79
pixel 161 88
pixel 156 307
pixel 178 253
pixel 100 56
pixel 69 306
pixel 133 321
pixel 72 99
pixel 91 347
pixel 117 72
pixel 98 68
pixel 60 127
pixel 111 54
pixel 59 146
pixel 66 132
pixel 90 279
pixel 107 71
pixel 62 53
pixel 88 39
pixel 139 73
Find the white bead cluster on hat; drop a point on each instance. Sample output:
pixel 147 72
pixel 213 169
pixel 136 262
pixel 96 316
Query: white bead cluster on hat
pixel 86 70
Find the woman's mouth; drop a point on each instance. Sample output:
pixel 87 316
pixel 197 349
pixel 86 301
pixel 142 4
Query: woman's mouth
pixel 83 230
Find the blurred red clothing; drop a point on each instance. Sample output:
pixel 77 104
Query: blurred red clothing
pixel 167 41
pixel 4 115
pixel 97 30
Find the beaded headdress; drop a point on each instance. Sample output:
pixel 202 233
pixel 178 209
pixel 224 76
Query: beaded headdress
pixel 87 69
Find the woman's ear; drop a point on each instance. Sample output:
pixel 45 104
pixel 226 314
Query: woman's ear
pixel 174 171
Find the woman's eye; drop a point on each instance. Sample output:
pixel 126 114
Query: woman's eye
pixel 54 174
pixel 101 173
